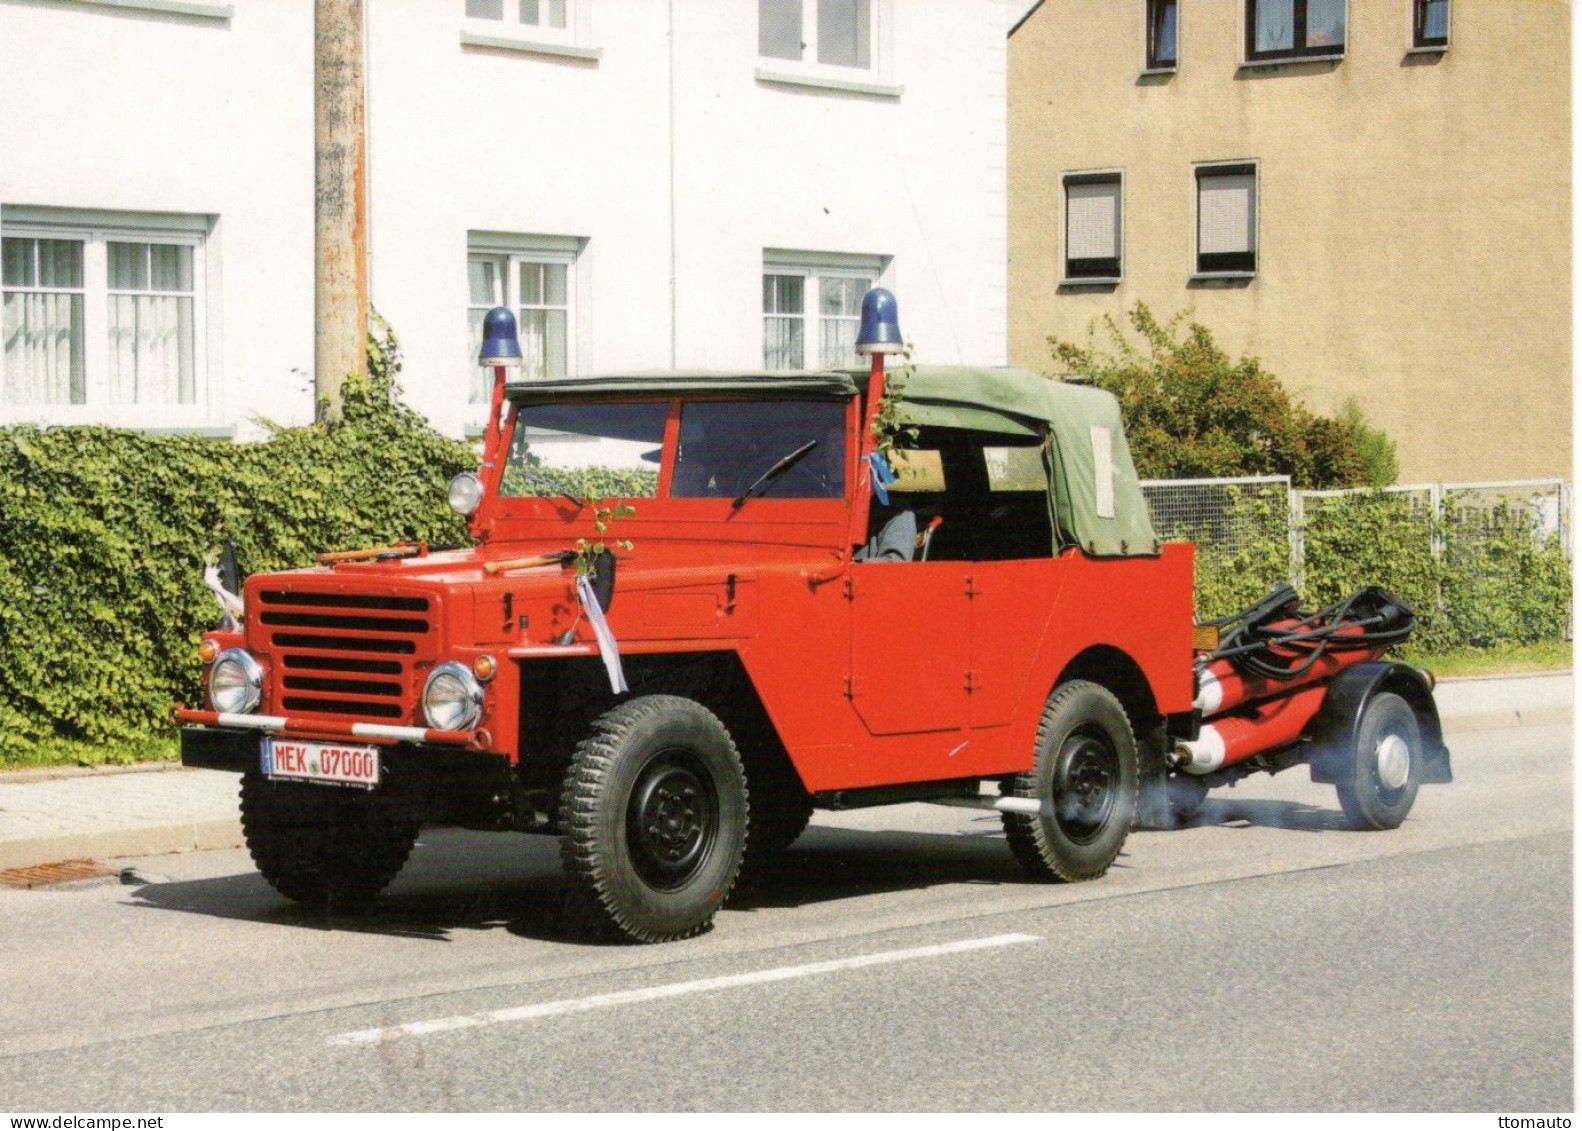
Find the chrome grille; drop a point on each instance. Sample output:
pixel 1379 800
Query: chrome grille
pixel 344 654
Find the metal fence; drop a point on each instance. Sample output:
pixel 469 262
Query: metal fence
pixel 1461 525
pixel 1219 513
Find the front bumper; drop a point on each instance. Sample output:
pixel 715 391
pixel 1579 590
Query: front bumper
pixel 448 785
pixel 328 728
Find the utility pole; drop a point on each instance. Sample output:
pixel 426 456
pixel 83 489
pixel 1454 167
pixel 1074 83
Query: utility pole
pixel 340 202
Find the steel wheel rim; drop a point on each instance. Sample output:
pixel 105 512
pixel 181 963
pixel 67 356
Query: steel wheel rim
pixel 672 819
pixel 1086 786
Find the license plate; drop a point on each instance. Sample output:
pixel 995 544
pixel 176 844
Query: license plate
pixel 320 761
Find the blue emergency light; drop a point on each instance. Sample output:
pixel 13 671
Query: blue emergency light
pixel 500 346
pixel 880 331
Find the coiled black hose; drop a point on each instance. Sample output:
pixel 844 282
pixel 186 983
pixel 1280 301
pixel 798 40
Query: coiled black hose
pixel 1369 619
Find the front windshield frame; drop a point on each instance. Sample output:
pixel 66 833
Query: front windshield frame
pixel 527 505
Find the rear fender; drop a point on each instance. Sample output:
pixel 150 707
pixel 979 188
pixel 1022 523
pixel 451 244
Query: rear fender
pixel 1333 731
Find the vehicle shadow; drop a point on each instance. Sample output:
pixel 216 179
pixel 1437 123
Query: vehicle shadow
pixel 465 881
pixel 460 881
pixel 1295 816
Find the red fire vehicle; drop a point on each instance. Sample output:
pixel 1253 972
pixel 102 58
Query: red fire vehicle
pixel 701 605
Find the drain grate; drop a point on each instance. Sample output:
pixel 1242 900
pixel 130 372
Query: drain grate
pixel 61 872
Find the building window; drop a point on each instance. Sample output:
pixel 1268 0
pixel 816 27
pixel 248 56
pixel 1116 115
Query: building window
pixel 1162 35
pixel 1430 23
pixel 538 287
pixel 811 313
pixel 1093 227
pixel 560 26
pixel 828 33
pixel 102 317
pixel 536 14
pixel 1227 219
pixel 1294 29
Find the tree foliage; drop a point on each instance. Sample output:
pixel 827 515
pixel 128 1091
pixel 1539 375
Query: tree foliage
pixel 1192 412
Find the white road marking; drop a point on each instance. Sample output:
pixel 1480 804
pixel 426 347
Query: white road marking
pixel 674 989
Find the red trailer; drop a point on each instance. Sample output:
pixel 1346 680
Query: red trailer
pixel 701 605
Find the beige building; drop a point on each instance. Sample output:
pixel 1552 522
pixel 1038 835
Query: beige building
pixel 1373 196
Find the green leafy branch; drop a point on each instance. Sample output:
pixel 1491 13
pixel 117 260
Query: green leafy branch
pixel 605 512
pixel 890 431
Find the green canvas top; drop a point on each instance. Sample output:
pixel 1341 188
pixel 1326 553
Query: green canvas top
pixel 1097 501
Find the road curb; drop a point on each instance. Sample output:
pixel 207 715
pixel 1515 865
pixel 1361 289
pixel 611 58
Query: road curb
pixel 109 844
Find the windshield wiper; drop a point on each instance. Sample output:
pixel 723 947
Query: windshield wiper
pixel 783 465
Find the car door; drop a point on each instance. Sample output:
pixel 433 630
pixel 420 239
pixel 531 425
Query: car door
pixel 910 642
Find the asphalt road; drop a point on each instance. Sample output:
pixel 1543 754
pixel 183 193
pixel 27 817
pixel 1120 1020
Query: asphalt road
pixel 1264 959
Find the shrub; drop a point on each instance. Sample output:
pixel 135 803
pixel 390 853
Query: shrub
pixel 104 534
pixel 1191 412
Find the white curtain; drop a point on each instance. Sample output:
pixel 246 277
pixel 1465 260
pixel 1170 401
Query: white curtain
pixel 151 334
pixel 840 307
pixel 543 343
pixel 1326 23
pixel 43 349
pixel 151 345
pixel 1276 28
pixel 783 321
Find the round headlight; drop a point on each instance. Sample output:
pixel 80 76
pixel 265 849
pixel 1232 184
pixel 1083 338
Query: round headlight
pixel 236 682
pixel 452 698
pixel 466 492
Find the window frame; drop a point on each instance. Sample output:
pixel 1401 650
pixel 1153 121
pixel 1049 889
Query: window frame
pixel 574 40
pixel 1304 53
pixel 809 70
pixel 97 407
pixel 811 268
pixel 1091 177
pixel 512 254
pixel 1152 64
pixel 1418 10
pixel 1209 170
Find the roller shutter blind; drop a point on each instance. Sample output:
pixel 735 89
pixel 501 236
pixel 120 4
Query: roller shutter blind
pixel 1227 218
pixel 1093 226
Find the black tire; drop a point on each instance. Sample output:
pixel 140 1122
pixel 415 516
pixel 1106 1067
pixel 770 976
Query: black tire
pixel 1085 773
pixel 786 814
pixel 1380 780
pixel 328 847
pixel 1186 794
pixel 653 820
pixel 780 813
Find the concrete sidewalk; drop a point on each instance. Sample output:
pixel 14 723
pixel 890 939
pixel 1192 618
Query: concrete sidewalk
pixel 51 815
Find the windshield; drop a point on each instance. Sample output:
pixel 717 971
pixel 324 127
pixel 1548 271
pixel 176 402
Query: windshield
pixel 604 450
pixel 726 446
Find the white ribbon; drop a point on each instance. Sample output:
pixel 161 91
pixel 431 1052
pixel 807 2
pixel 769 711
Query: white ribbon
pixel 601 633
pixel 230 604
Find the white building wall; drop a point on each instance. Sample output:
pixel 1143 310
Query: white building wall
pixel 123 110
pixel 665 154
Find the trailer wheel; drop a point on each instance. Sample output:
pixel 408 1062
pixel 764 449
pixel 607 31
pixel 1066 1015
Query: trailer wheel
pixel 325 846
pixel 653 816
pixel 1085 774
pixel 1380 782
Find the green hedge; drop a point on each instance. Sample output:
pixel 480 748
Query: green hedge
pixel 105 531
pixel 1497 579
